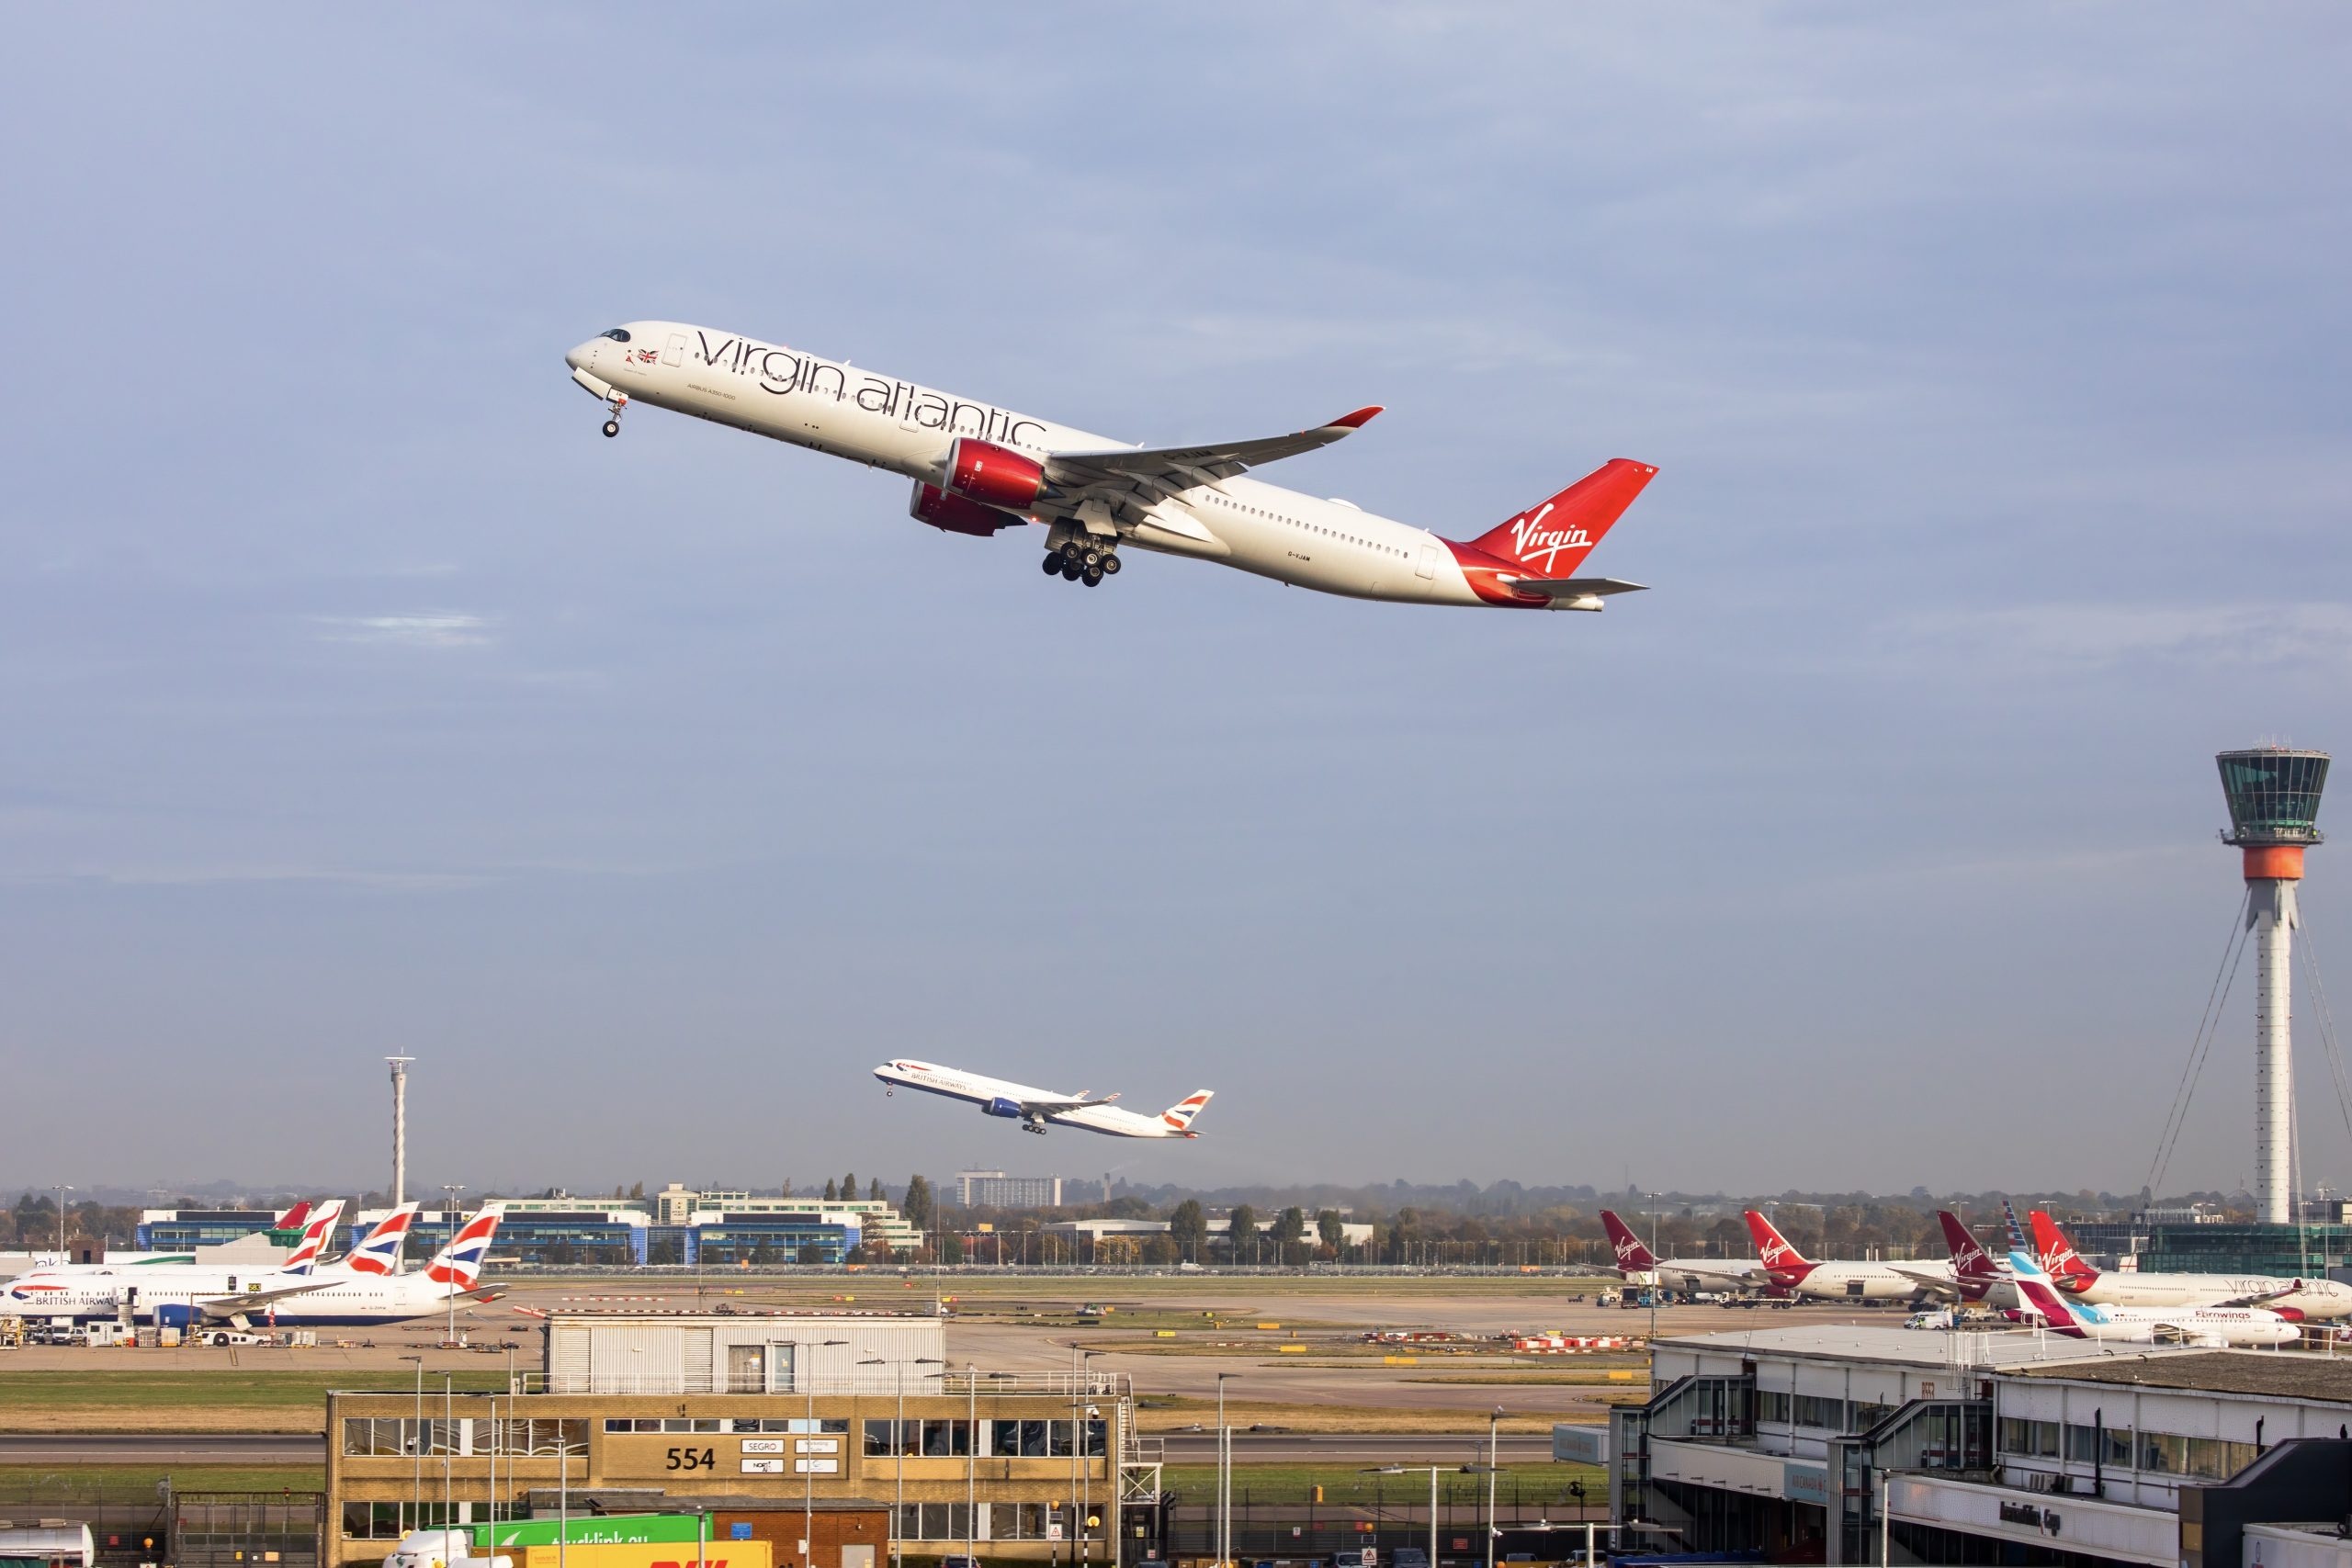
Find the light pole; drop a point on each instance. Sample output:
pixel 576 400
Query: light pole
pixel 448 1218
pixel 449 1441
pixel 899 1443
pixel 971 1457
pixel 1223 1475
pixel 1415 1469
pixel 63 1188
pixel 1657 1279
pixel 1494 1453
pixel 808 1464
pixel 416 1436
pixel 1078 1436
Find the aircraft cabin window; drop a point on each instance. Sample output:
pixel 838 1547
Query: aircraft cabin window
pixel 618 334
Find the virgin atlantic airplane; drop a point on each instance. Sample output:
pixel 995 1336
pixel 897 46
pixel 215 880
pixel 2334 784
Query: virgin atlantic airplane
pixel 978 468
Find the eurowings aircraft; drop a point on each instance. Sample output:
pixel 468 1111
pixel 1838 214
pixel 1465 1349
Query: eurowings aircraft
pixel 978 468
pixel 2214 1325
pixel 1634 1259
pixel 1036 1109
pixel 2317 1299
pixel 1801 1276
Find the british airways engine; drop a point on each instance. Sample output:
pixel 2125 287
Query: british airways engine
pixel 1000 1106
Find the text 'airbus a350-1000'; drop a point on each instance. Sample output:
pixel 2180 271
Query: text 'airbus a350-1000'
pixel 978 468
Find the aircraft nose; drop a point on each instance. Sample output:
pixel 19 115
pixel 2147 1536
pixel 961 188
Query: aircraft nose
pixel 577 357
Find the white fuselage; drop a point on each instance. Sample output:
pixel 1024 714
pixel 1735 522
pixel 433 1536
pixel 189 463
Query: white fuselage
pixel 1862 1282
pixel 2321 1300
pixel 2194 1326
pixel 1688 1274
pixel 1001 1097
pixel 339 1297
pixel 832 407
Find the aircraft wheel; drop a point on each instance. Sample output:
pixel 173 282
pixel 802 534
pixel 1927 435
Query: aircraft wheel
pixel 1090 558
pixel 1070 571
pixel 1091 577
pixel 612 427
pixel 1110 563
pixel 1053 562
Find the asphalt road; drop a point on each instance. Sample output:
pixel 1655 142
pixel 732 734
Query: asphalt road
pixel 1182 1448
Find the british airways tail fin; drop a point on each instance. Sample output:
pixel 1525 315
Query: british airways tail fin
pixel 1179 1117
pixel 459 1263
pixel 316 1233
pixel 379 1252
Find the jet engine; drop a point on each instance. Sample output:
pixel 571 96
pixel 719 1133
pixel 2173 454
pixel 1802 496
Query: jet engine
pixel 993 475
pixel 1000 1106
pixel 954 514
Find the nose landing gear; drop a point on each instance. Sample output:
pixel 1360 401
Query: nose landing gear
pixel 1088 563
pixel 617 402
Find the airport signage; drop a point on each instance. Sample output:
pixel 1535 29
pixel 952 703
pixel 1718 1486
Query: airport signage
pixel 763 1467
pixel 764 1445
pixel 1805 1484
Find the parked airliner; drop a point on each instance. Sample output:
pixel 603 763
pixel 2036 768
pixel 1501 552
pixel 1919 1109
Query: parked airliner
pixel 978 468
pixel 1035 1108
pixel 1799 1276
pixel 2315 1298
pixel 2213 1325
pixel 1636 1261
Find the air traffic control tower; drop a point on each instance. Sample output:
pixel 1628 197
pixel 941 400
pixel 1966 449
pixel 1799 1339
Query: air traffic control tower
pixel 2273 794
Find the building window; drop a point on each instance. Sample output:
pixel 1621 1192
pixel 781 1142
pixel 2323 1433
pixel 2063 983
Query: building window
pixel 1771 1407
pixel 2211 1459
pixel 882 1438
pixel 945 1439
pixel 2161 1453
pixel 932 1521
pixel 1812 1410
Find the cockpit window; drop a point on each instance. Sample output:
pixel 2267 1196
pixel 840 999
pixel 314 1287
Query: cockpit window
pixel 618 334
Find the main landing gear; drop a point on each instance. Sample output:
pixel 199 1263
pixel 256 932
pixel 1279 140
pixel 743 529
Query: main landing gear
pixel 1087 563
pixel 1036 1127
pixel 618 403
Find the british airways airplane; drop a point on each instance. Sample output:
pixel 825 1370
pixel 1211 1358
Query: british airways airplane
pixel 978 468
pixel 1035 1108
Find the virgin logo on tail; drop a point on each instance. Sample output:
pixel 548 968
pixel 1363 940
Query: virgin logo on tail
pixel 2058 1255
pixel 1632 1256
pixel 1530 539
pixel 1780 1261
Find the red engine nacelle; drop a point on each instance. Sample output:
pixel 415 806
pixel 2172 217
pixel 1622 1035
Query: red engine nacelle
pixel 993 475
pixel 957 515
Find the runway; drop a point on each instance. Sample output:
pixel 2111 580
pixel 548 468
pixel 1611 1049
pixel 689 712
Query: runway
pixel 1176 1447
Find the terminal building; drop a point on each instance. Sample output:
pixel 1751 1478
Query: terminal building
pixel 831 1437
pixel 1847 1444
pixel 995 1189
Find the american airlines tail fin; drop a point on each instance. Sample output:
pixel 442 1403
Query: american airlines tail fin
pixel 2058 1255
pixel 297 1215
pixel 2018 1240
pixel 1970 1265
pixel 1178 1116
pixel 379 1252
pixel 1772 1248
pixel 459 1263
pixel 1632 1258
pixel 1550 538
pixel 316 1233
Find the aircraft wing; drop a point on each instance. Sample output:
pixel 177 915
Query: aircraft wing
pixel 1159 471
pixel 231 1306
pixel 1576 587
pixel 1056 1107
pixel 1940 1284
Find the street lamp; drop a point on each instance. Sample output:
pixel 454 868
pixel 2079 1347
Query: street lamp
pixel 802 1452
pixel 1078 1436
pixel 1494 1453
pixel 899 1442
pixel 448 1218
pixel 416 1435
pixel 63 1188
pixel 1411 1470
pixel 449 1439
pixel 1224 1476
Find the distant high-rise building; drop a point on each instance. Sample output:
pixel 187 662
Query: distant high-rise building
pixel 995 1189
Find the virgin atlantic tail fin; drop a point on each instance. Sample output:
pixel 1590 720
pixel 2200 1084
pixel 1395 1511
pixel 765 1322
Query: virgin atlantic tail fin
pixel 2058 1255
pixel 1632 1258
pixel 1772 1248
pixel 1552 537
pixel 1972 1267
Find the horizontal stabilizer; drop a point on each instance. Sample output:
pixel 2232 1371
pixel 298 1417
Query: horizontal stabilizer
pixel 1577 587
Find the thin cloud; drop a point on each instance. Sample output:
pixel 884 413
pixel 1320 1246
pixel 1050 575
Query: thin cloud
pixel 429 629
pixel 2059 639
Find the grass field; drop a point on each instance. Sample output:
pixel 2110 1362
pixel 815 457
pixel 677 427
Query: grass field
pixel 1345 1486
pixel 1173 1412
pixel 136 1483
pixel 131 1400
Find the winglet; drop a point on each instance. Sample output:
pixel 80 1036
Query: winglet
pixel 1355 420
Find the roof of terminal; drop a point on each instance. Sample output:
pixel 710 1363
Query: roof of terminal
pixel 2005 1350
pixel 2281 1373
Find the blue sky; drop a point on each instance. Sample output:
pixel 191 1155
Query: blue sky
pixel 363 698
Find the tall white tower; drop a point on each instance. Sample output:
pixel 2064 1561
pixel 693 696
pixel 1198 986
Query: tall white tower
pixel 2273 794
pixel 400 1128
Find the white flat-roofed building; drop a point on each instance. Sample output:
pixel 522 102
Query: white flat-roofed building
pixel 2014 1446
